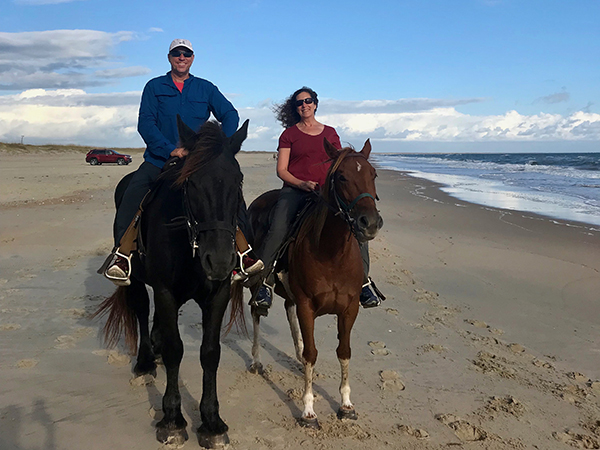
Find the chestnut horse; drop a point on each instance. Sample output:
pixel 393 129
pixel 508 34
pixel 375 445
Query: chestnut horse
pixel 323 273
pixel 187 231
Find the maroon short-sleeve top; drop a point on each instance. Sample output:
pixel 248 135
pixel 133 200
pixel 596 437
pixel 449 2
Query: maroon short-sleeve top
pixel 307 153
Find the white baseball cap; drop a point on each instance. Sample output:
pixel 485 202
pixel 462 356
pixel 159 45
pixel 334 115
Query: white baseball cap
pixel 180 43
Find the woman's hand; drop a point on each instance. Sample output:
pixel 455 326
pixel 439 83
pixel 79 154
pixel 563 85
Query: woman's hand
pixel 180 152
pixel 307 186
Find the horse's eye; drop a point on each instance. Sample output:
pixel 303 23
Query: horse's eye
pixel 342 178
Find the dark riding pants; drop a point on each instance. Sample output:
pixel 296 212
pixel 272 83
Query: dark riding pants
pixel 139 185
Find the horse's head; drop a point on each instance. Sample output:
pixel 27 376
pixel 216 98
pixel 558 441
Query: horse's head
pixel 212 182
pixel 352 189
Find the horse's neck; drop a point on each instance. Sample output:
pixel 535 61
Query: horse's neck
pixel 335 232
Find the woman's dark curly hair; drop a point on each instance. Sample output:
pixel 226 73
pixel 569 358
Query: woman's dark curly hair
pixel 287 113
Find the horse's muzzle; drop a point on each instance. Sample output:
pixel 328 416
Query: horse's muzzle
pixel 217 256
pixel 368 225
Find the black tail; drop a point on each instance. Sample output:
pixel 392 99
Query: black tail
pixel 121 320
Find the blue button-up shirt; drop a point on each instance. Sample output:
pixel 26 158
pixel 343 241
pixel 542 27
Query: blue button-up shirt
pixel 162 101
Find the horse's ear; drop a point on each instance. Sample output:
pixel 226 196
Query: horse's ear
pixel 186 134
pixel 332 152
pixel 238 137
pixel 366 150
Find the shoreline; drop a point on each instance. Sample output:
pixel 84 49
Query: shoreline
pixel 592 228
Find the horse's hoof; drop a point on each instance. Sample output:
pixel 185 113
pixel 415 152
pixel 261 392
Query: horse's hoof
pixel 256 368
pixel 146 368
pixel 171 437
pixel 347 414
pixel 207 440
pixel 309 423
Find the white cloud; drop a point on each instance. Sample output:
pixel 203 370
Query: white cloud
pixel 61 59
pixel 71 116
pixel 447 124
pixel 155 30
pixel 74 116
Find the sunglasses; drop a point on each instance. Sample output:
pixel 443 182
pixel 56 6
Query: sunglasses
pixel 178 53
pixel 308 101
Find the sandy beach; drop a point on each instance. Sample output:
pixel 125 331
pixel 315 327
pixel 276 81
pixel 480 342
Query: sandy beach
pixel 489 337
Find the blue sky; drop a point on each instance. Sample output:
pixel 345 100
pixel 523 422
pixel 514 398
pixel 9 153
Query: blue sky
pixel 464 75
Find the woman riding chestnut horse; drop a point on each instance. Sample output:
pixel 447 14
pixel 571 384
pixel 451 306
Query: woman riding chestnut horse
pixel 302 164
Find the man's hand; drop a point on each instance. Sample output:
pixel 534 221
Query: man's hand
pixel 180 152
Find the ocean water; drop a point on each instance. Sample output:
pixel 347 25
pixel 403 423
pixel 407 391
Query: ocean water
pixel 558 185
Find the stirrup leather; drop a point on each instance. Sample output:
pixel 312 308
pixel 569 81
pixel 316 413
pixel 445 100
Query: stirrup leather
pixel 127 258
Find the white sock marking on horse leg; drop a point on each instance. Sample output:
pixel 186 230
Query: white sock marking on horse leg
pixel 308 398
pixel 255 342
pixel 295 330
pixel 345 384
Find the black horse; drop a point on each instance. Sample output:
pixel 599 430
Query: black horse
pixel 187 236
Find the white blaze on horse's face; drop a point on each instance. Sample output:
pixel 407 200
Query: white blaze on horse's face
pixel 358 166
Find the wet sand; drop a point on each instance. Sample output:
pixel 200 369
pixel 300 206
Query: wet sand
pixel 489 336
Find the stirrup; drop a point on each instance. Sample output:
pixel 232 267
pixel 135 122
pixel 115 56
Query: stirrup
pixel 378 293
pixel 119 281
pixel 254 269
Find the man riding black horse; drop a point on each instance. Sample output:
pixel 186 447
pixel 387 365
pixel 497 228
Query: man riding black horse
pixel 163 99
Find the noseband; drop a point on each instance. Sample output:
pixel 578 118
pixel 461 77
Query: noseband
pixel 195 228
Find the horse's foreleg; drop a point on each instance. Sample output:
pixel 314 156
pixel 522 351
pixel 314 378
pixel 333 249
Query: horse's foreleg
pixel 155 337
pixel 292 316
pixel 171 429
pixel 256 366
pixel 140 303
pixel 309 356
pixel 345 322
pixel 213 431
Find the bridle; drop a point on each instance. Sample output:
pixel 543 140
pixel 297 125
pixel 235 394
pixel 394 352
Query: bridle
pixel 194 227
pixel 342 209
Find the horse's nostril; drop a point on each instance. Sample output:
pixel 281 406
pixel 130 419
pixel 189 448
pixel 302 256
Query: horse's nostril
pixel 363 221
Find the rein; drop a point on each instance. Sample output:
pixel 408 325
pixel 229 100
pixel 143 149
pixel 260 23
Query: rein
pixel 194 227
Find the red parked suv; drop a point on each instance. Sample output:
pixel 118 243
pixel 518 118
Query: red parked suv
pixel 95 157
